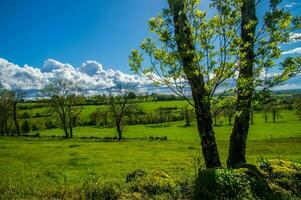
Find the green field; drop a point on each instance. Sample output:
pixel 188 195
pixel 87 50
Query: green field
pixel 49 161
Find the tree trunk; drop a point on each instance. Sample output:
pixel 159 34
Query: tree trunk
pixel 119 131
pixel 71 122
pixel 265 116
pixel 187 52
pixel 71 131
pixel 65 129
pixel 274 116
pixel 16 119
pixel 238 139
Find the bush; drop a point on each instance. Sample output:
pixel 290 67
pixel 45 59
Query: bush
pixel 34 127
pixel 25 115
pixel 157 185
pixel 105 191
pixel 25 128
pixel 49 125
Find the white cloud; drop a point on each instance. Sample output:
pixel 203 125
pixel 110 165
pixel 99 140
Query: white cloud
pixel 90 67
pixel 90 76
pixel 289 5
pixel 292 51
pixel 295 37
pixel 51 65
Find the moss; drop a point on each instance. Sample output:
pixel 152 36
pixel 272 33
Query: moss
pixel 281 180
pixel 286 175
pixel 154 185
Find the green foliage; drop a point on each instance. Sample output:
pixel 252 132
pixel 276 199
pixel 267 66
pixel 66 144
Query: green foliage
pixel 278 180
pixel 25 127
pixel 98 190
pixel 216 59
pixel 157 183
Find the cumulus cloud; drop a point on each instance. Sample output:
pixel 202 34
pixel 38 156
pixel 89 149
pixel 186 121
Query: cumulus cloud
pixel 292 51
pixel 90 68
pixel 295 37
pixel 90 76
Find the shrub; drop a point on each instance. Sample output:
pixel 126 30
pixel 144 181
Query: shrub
pixel 25 115
pixel 105 191
pixel 34 127
pixel 275 179
pixel 157 185
pixel 49 125
pixel 25 128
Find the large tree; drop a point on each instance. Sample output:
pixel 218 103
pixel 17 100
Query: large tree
pixel 192 49
pixel 206 53
pixel 260 53
pixel 245 84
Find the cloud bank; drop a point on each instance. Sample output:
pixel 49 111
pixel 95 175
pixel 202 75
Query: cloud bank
pixel 91 76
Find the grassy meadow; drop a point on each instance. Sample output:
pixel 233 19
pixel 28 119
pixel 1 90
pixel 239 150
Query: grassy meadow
pixel 30 164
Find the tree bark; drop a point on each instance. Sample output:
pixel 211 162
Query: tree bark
pixel 70 130
pixel 65 128
pixel 119 131
pixel 238 139
pixel 186 48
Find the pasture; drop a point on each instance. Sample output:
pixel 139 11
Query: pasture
pixel 31 164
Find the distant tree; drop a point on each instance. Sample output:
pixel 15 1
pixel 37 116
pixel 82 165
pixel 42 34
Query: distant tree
pixel 132 95
pixel 95 117
pixel 17 96
pixel 187 114
pixel 6 113
pixel 297 99
pixel 229 111
pixel 25 115
pixel 271 105
pixel 34 127
pixel 120 104
pixel 62 102
pixel 25 127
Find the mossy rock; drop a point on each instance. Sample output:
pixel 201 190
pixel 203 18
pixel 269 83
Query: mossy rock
pixel 154 185
pixel 285 174
pixel 243 183
pixel 277 180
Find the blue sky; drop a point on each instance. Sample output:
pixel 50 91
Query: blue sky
pixel 74 31
pixel 91 35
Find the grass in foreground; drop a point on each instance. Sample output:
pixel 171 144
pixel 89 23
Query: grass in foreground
pixel 32 165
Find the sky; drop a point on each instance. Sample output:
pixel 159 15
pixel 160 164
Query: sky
pixel 74 31
pixel 86 40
